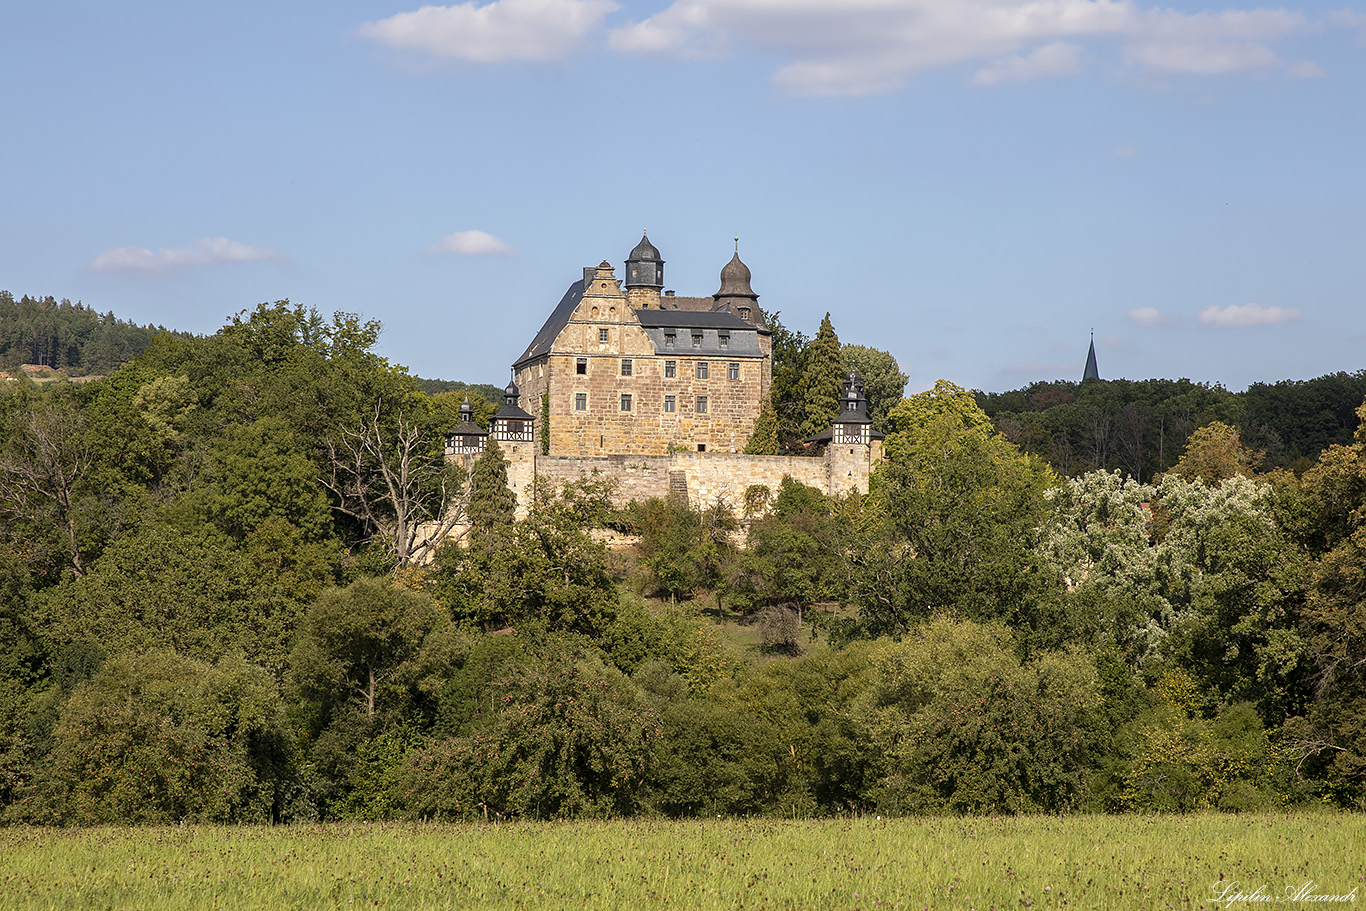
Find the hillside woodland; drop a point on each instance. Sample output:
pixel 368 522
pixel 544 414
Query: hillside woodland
pixel 220 600
pixel 67 337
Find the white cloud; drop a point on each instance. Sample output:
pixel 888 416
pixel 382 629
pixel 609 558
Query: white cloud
pixel 497 31
pixel 210 251
pixel 1247 315
pixel 473 243
pixel 1056 59
pixel 1208 44
pixel 1148 316
pixel 1350 19
pixel 853 47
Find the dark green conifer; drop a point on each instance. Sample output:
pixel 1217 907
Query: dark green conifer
pixel 822 380
pixel 492 503
pixel 764 439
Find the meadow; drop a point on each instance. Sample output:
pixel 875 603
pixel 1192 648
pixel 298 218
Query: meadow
pixel 1118 862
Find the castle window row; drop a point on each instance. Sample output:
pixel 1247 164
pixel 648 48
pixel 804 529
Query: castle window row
pixel 703 368
pixel 626 403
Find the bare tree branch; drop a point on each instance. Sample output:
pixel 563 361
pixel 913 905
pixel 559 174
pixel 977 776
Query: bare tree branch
pixel 41 470
pixel 389 480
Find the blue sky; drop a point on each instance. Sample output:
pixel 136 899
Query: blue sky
pixel 972 185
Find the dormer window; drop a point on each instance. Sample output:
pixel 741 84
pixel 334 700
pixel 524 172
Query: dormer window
pixel 724 339
pixel 744 312
pixel 669 339
pixel 697 340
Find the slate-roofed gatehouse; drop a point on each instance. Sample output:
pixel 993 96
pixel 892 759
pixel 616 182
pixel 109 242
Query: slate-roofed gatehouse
pixel 660 392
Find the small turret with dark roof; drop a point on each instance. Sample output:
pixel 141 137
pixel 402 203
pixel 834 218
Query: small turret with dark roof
pixel 511 423
pixel 645 267
pixel 467 437
pixel 852 424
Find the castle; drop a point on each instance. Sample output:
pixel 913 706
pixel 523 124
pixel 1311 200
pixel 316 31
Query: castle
pixel 659 392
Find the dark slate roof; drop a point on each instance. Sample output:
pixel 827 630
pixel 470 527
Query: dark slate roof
pixel 645 251
pixel 559 318
pixel 738 344
pixel 1091 372
pixel 467 429
pixel 691 319
pixel 512 413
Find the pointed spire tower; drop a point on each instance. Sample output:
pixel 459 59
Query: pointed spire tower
pixel 1091 372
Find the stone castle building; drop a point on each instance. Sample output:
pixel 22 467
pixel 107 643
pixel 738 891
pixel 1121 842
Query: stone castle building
pixel 628 368
pixel 659 392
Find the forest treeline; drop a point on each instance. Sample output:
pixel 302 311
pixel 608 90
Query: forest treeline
pixel 1140 427
pixel 225 596
pixel 67 337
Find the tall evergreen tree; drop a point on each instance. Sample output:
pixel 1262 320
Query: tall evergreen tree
pixel 789 354
pixel 492 503
pixel 764 439
pixel 822 380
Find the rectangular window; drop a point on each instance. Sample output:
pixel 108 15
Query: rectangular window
pixel 602 335
pixel 626 366
pixel 697 340
pixel 701 370
pixel 701 404
pixel 744 313
pixel 625 401
pixel 580 401
pixel 724 339
pixel 581 366
pixel 669 339
pixel 671 368
pixel 669 403
pixel 733 371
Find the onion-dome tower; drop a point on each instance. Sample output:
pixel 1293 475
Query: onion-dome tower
pixel 735 294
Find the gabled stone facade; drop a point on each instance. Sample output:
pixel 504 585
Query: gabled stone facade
pixel 632 369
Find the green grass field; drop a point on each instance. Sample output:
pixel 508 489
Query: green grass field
pixel 1040 862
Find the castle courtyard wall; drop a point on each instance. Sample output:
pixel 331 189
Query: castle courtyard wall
pixel 704 476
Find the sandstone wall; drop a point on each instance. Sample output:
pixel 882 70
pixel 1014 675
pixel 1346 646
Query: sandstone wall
pixel 706 475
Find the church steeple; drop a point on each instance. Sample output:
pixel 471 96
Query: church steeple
pixel 1091 372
